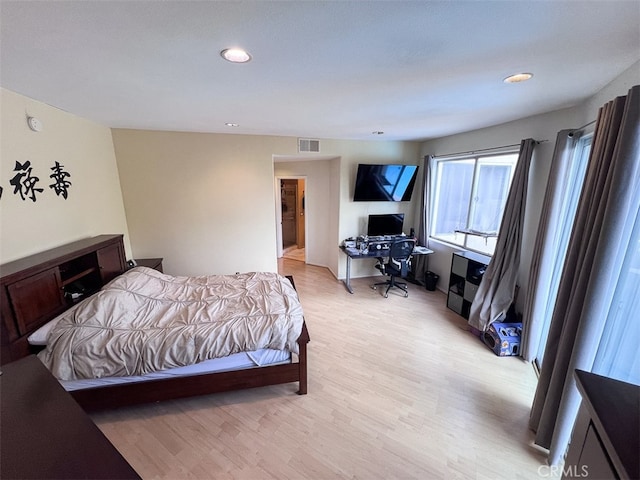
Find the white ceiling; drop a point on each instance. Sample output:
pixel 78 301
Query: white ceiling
pixel 339 69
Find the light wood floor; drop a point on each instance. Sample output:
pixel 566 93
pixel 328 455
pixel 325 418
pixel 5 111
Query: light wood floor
pixel 398 388
pixel 294 253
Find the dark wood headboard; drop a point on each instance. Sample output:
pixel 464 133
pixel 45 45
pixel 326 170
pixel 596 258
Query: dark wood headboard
pixel 34 289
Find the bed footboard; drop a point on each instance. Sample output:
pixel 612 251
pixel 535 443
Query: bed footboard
pixel 113 396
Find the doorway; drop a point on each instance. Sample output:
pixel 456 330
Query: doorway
pixel 292 215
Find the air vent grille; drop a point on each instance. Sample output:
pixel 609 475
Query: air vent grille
pixel 308 145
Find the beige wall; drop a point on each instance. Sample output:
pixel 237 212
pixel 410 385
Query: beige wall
pixel 94 205
pixel 203 202
pixel 206 202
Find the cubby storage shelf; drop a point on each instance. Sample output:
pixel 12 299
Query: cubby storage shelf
pixel 79 275
pixel 467 269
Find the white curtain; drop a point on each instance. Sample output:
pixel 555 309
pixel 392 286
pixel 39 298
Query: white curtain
pixel 497 288
pixel 618 352
pixel 602 248
pixel 541 294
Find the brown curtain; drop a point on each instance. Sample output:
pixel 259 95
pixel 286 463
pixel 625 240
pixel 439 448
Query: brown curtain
pixel 420 263
pixel 599 241
pixel 497 288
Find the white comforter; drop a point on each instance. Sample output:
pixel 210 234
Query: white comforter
pixel 145 321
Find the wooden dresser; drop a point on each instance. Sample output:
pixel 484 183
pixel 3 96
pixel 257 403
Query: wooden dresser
pixel 606 436
pixel 61 277
pixel 46 434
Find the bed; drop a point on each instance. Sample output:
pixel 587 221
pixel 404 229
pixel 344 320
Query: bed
pixel 254 321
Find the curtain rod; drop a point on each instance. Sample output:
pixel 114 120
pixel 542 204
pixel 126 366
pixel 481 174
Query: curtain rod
pixel 484 150
pixel 583 126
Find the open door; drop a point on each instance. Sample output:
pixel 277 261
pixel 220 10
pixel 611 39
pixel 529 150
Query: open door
pixel 289 206
pixel 291 213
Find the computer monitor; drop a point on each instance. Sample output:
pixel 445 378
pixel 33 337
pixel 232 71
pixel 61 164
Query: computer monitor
pixel 385 224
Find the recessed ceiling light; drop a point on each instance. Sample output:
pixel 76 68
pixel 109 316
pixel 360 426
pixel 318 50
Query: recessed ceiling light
pixel 228 124
pixel 518 77
pixel 235 55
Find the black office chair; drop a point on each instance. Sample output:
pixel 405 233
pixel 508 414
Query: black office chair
pixel 397 265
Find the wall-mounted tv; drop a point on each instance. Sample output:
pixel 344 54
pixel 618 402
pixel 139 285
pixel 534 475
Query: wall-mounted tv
pixel 385 224
pixel 384 183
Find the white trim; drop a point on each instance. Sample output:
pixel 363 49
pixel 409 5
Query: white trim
pixel 485 152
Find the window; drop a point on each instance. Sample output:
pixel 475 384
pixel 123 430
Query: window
pixel 469 196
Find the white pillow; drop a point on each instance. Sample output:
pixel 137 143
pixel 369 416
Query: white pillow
pixel 40 336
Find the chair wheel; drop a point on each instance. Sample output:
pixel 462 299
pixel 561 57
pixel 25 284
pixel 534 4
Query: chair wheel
pixel 406 294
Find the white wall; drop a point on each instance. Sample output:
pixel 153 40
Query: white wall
pixel 541 127
pixel 94 204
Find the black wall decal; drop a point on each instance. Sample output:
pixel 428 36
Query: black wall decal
pixel 61 183
pixel 24 182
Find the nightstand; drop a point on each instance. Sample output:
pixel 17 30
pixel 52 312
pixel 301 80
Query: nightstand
pixel 155 263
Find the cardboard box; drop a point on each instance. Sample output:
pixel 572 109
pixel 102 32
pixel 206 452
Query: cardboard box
pixel 503 338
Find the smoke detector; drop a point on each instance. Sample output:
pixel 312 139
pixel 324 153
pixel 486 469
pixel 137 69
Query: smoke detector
pixel 34 124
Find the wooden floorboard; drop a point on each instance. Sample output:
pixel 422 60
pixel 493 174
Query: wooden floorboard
pixel 398 388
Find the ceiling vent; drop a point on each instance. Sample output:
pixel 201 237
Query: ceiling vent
pixel 308 145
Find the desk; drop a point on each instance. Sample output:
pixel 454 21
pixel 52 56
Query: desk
pixel 355 253
pixel 45 433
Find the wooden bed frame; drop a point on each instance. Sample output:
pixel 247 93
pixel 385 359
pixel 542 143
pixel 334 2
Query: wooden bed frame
pixel 111 396
pixel 32 293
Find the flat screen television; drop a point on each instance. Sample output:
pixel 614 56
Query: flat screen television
pixel 384 183
pixel 385 224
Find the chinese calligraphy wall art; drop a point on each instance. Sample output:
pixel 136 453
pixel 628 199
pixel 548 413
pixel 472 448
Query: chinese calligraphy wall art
pixel 25 182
